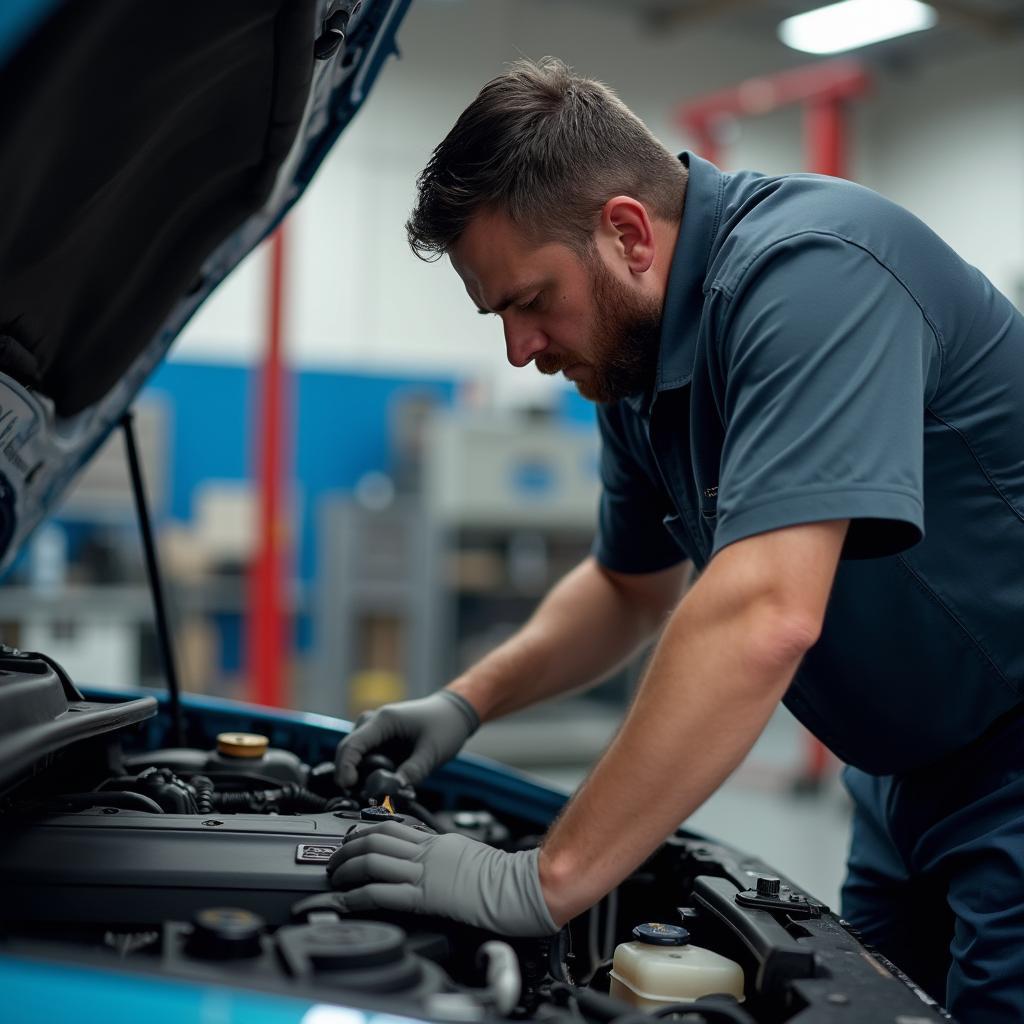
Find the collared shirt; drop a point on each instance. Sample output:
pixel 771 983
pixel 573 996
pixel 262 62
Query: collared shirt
pixel 824 355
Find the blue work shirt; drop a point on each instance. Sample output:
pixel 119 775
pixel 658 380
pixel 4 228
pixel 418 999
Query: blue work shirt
pixel 824 355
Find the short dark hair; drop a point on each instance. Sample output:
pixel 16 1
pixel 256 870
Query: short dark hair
pixel 548 149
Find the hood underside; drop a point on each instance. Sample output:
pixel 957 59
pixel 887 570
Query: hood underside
pixel 147 149
pixel 143 144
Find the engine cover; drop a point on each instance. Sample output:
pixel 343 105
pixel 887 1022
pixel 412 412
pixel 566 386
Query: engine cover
pixel 132 867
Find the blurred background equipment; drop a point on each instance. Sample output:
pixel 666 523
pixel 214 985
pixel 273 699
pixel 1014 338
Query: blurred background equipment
pixel 415 585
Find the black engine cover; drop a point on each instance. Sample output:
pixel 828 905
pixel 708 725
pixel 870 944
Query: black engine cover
pixel 130 867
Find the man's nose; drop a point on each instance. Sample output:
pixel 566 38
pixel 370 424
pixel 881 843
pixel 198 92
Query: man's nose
pixel 522 343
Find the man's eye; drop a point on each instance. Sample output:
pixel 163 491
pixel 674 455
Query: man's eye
pixel 532 304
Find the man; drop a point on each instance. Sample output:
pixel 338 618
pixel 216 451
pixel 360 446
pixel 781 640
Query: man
pixel 809 396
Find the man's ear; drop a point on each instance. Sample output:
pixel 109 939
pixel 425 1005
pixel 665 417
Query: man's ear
pixel 626 226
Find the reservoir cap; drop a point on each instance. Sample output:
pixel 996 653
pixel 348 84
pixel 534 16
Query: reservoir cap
pixel 242 744
pixel 655 934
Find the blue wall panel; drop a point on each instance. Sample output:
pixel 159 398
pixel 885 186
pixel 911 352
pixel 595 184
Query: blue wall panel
pixel 574 408
pixel 210 412
pixel 341 431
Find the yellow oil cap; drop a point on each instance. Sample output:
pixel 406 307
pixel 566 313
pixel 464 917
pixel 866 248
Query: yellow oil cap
pixel 242 744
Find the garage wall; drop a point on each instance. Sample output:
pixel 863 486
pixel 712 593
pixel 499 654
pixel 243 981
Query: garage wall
pixel 947 141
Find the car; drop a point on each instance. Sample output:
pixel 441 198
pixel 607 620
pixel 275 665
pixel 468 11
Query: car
pixel 163 857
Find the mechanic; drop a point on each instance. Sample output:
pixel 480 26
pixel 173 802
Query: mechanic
pixel 808 396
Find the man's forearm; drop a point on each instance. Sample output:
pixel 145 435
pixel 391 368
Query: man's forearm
pixel 723 663
pixel 585 628
pixel 684 735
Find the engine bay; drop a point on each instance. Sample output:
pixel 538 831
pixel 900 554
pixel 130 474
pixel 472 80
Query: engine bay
pixel 207 862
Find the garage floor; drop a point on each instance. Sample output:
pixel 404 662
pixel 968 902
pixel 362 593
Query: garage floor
pixel 804 836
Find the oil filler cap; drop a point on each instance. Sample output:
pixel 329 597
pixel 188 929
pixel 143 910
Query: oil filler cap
pixel 654 934
pixel 378 814
pixel 242 744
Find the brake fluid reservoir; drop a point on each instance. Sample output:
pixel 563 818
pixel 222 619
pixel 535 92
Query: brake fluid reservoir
pixel 661 967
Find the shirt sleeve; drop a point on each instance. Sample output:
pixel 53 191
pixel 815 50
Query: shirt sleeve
pixel 631 532
pixel 826 360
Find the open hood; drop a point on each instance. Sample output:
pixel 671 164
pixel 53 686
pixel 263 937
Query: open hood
pixel 147 149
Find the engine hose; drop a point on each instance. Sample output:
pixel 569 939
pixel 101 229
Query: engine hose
pixel 290 798
pixel 246 777
pixel 204 793
pixel 239 801
pixel 595 1005
pixel 307 800
pixel 159 784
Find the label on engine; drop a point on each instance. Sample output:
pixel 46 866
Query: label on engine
pixel 305 854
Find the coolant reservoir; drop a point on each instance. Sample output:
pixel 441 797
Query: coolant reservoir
pixel 661 967
pixel 250 752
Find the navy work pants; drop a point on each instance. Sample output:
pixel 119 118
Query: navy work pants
pixel 936 873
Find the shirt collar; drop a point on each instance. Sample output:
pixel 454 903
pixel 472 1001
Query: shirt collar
pixel 684 296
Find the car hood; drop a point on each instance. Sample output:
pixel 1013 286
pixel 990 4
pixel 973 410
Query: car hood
pixel 147 149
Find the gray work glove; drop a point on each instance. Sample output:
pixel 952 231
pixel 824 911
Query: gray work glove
pixel 436 726
pixel 392 866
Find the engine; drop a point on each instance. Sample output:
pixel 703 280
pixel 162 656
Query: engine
pixel 208 863
pixel 212 863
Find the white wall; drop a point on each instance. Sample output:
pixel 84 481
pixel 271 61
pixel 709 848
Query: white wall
pixel 947 142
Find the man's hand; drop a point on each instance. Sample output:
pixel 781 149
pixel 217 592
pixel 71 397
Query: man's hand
pixel 392 866
pixel 436 727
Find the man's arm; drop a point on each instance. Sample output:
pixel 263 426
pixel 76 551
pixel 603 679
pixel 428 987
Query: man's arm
pixel 590 623
pixel 724 661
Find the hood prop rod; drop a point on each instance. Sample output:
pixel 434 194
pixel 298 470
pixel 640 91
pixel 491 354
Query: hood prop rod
pixel 163 630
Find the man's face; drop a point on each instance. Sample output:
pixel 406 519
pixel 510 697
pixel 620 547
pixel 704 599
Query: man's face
pixel 565 313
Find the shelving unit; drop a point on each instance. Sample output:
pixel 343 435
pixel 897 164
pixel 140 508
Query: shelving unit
pixel 375 625
pixel 512 502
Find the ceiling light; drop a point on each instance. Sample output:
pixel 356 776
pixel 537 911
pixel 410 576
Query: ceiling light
pixel 853 23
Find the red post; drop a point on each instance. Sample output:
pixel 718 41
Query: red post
pixel 825 136
pixel 267 638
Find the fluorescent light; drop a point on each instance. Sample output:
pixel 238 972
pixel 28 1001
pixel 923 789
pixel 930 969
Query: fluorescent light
pixel 853 23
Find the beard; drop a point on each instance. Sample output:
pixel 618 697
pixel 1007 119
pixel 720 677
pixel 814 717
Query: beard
pixel 625 341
